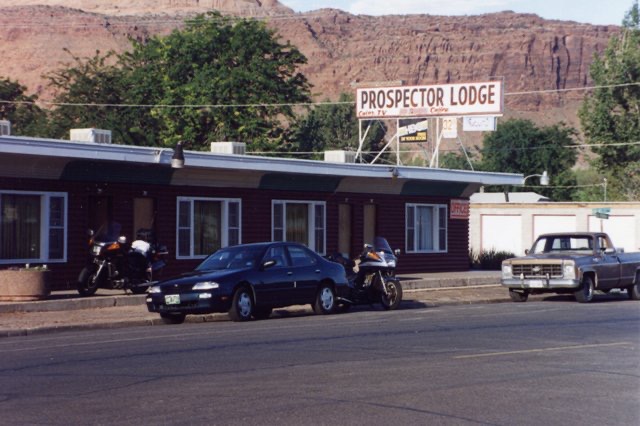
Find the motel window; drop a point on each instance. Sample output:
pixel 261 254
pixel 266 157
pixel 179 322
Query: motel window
pixel 301 222
pixel 206 224
pixel 426 228
pixel 33 227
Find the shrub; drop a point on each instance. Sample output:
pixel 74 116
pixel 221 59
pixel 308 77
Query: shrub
pixel 488 260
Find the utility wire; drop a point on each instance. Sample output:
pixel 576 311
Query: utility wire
pixel 290 104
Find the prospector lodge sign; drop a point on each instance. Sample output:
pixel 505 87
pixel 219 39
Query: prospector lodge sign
pixel 460 99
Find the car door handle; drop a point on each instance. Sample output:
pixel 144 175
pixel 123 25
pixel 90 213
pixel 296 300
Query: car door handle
pixel 289 273
pixel 317 271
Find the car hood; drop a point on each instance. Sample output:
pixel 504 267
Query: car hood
pixel 549 256
pixel 190 278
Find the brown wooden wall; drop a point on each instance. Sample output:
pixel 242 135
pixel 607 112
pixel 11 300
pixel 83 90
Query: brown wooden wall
pixel 256 221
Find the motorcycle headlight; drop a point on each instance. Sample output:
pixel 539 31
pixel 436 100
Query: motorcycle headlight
pixel 206 285
pixel 569 270
pixel 154 289
pixel 507 272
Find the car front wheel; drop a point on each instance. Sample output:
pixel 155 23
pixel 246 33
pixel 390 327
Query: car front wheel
pixel 325 300
pixel 242 306
pixel 585 293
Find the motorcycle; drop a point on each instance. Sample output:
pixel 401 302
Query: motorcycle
pixel 115 264
pixel 373 280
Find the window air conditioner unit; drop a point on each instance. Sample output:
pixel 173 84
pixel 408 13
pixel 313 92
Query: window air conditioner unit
pixel 90 135
pixel 340 156
pixel 5 128
pixel 237 148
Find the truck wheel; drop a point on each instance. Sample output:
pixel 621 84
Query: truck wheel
pixel 633 291
pixel 518 296
pixel 585 293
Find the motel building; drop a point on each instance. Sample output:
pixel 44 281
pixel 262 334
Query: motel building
pixel 53 191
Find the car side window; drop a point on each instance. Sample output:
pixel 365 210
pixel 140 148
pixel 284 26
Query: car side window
pixel 300 257
pixel 278 254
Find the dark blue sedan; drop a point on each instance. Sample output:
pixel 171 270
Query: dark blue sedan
pixel 248 281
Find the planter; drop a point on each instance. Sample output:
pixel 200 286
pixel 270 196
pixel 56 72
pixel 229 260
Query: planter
pixel 24 284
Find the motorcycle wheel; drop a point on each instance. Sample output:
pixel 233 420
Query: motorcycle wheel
pixel 88 284
pixel 394 289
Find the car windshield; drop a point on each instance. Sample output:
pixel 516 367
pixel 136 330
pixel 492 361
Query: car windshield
pixel 555 244
pixel 381 244
pixel 109 231
pixel 237 257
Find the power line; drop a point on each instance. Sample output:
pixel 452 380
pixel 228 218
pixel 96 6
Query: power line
pixel 291 104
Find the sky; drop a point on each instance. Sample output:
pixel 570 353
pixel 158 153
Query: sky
pixel 600 12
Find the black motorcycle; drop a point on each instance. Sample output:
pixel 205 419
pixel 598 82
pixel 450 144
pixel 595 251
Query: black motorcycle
pixel 373 279
pixel 115 264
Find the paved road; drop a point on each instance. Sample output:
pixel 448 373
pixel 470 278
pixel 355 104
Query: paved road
pixel 553 362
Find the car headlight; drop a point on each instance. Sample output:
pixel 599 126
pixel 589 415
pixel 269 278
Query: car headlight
pixel 569 270
pixel 507 272
pixel 154 289
pixel 206 285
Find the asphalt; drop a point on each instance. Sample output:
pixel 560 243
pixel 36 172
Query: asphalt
pixel 66 310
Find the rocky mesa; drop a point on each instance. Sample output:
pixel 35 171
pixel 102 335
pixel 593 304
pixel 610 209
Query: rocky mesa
pixel 541 61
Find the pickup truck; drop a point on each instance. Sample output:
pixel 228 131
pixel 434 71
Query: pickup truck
pixel 576 262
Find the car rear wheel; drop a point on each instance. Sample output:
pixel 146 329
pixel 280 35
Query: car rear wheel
pixel 173 318
pixel 518 296
pixel 242 306
pixel 585 293
pixel 325 300
pixel 633 291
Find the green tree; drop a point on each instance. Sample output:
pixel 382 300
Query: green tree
pixel 216 79
pixel 238 80
pixel 335 126
pixel 610 115
pixel 26 118
pixel 518 146
pixel 86 81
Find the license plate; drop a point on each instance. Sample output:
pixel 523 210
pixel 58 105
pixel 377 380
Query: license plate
pixel 536 283
pixel 172 299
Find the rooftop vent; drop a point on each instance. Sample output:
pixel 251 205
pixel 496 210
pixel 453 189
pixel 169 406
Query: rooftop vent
pixel 340 156
pixel 90 135
pixel 5 128
pixel 237 148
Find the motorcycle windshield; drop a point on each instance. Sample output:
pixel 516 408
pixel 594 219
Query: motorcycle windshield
pixel 109 231
pixel 380 244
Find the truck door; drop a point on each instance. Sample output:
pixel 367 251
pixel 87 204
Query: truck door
pixel 609 269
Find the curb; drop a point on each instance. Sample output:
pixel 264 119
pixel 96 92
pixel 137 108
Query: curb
pixel 220 317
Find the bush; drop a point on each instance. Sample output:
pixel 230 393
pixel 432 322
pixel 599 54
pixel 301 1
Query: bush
pixel 488 260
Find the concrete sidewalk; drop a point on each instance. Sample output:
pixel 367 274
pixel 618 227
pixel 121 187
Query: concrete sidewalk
pixel 65 310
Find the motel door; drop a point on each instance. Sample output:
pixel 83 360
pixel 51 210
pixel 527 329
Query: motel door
pixel 369 230
pixel 344 230
pixel 100 211
pixel 144 213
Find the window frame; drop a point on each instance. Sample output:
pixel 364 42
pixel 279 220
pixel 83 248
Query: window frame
pixel 225 226
pixel 315 228
pixel 45 226
pixel 440 216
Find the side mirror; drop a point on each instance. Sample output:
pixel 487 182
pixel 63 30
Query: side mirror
pixel 90 232
pixel 397 252
pixel 526 251
pixel 268 264
pixel 122 239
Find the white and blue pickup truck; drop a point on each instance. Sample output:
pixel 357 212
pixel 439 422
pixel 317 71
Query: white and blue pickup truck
pixel 575 263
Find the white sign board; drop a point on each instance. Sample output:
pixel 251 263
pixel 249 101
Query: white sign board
pixel 479 123
pixel 438 100
pixel 449 127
